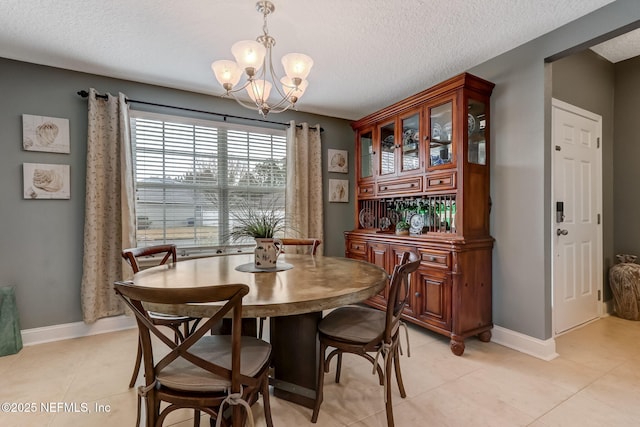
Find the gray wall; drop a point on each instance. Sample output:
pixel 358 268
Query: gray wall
pixel 626 175
pixel 587 80
pixel 520 181
pixel 41 240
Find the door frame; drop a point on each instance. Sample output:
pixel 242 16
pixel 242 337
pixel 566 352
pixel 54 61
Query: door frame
pixel 556 103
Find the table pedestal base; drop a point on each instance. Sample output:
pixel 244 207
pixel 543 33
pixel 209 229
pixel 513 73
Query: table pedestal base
pixel 295 357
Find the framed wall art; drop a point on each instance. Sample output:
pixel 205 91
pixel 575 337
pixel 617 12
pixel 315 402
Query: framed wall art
pixel 40 133
pixel 339 190
pixel 338 161
pixel 44 181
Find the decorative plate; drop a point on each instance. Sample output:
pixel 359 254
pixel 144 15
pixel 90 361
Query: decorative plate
pixel 385 223
pixel 393 216
pixel 471 123
pixel 446 131
pixel 436 132
pixel 367 218
pixel 417 223
pixel 388 142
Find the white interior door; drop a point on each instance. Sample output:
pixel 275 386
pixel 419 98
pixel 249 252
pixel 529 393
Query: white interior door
pixel 577 231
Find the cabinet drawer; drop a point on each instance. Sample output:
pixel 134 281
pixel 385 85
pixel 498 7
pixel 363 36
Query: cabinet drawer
pixel 357 247
pixel 365 190
pixel 433 258
pixel 441 181
pixel 410 185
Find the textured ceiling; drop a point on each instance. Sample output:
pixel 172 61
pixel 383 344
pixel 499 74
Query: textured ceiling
pixel 367 53
pixel 620 48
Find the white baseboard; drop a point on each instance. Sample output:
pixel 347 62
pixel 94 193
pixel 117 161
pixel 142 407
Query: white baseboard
pixel 545 350
pixel 542 349
pixel 76 330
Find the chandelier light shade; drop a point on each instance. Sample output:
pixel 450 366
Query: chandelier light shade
pixel 253 59
pixel 249 54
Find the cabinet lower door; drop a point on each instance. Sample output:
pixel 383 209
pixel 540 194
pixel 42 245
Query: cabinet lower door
pixel 396 252
pixel 432 298
pixel 378 254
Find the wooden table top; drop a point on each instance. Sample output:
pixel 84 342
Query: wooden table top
pixel 315 283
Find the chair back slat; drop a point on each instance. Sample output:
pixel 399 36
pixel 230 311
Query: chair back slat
pixel 399 291
pixel 132 255
pixel 313 243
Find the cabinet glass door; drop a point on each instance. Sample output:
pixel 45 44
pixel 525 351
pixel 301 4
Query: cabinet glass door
pixel 476 125
pixel 410 155
pixel 388 148
pixel 441 134
pixel 366 154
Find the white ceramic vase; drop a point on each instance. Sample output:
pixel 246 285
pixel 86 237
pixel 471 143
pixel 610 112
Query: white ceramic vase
pixel 266 252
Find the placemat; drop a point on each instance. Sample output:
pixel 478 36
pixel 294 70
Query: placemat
pixel 251 268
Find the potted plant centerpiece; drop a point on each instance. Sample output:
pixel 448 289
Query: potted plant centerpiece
pixel 261 222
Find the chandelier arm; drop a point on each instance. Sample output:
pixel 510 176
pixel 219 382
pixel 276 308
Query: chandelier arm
pixel 275 110
pixel 251 106
pixel 243 87
pixel 258 96
pixel 275 79
pixel 284 101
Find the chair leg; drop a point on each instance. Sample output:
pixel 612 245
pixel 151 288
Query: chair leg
pixel 321 369
pixel 136 369
pixel 396 364
pixel 153 411
pixel 185 327
pixel 388 404
pixel 261 327
pixel 266 402
pixel 193 325
pixel 338 367
pixel 196 418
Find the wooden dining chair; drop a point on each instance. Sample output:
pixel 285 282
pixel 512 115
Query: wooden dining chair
pixel 204 372
pixel 312 245
pixel 175 323
pixel 363 330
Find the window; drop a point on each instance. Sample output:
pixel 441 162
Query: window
pixel 193 175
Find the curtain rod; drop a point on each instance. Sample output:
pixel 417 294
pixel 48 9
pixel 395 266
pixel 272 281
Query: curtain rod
pixel 85 94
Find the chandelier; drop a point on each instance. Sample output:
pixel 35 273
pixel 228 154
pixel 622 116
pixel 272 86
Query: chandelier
pixel 253 59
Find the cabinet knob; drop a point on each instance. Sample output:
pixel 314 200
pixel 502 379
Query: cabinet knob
pixel 437 181
pixel 413 184
pixel 426 137
pixel 418 294
pixel 365 190
pixel 432 258
pixel 384 188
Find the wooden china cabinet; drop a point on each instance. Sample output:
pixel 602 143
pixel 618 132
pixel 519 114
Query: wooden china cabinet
pixel 425 161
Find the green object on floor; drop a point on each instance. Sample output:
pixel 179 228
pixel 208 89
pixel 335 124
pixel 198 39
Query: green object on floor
pixel 10 338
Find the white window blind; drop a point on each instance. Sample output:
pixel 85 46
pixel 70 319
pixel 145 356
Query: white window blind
pixel 192 176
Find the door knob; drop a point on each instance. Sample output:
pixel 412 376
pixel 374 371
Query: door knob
pixel 561 232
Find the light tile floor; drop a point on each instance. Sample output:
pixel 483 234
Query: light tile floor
pixel 594 382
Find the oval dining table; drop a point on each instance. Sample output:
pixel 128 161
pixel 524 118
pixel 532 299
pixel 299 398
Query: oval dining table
pixel 293 297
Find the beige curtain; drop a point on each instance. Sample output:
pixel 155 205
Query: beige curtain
pixel 109 224
pixel 304 181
